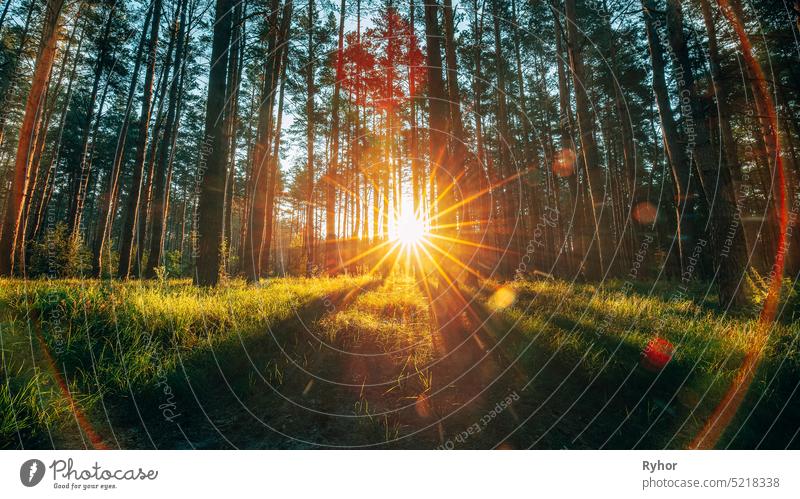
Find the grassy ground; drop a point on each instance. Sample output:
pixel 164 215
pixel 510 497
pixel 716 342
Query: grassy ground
pixel 365 362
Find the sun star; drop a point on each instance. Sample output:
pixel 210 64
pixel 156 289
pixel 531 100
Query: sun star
pixel 410 231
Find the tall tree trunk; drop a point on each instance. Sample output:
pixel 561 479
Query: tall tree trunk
pixel 15 204
pixel 130 213
pixel 212 195
pixel 260 159
pixel 50 102
pixel 530 163
pixel 37 187
pixel 331 248
pixel 684 195
pixel 723 114
pixel 269 219
pixel 108 197
pixel 141 232
pixel 159 205
pixel 81 181
pixel 231 123
pixel 416 177
pixel 523 117
pixel 589 154
pixel 564 159
pixel 456 124
pixel 49 182
pixel 309 70
pixel 277 66
pixel 626 182
pixel 730 255
pixel 478 175
pixel 437 114
pixel 507 198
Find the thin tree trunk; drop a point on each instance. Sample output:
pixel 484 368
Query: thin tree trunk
pixel 478 176
pixel 231 124
pixel 416 175
pixel 456 123
pixel 159 179
pixel 309 70
pixel 269 221
pixel 530 163
pixel 331 248
pixel 508 200
pixel 260 161
pixel 81 182
pixel 589 154
pixel 676 155
pixel 130 212
pixel 108 197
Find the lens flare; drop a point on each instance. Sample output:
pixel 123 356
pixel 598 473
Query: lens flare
pixel 645 213
pixel 657 354
pixel 503 298
pixel 564 163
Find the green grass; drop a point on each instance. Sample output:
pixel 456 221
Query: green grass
pixel 25 411
pixel 382 341
pixel 116 338
pixel 606 328
pixel 394 318
pixel 248 362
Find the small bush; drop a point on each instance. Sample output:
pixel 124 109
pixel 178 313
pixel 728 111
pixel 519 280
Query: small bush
pixel 58 254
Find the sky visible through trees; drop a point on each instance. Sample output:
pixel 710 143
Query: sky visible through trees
pixel 568 133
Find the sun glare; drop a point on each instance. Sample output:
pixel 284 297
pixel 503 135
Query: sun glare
pixel 410 230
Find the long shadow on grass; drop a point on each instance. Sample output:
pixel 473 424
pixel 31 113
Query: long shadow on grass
pixel 768 417
pixel 595 395
pixel 611 398
pixel 474 394
pixel 237 394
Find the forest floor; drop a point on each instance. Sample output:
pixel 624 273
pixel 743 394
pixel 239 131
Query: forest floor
pixel 396 362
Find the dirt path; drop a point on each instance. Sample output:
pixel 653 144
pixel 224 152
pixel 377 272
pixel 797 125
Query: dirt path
pixel 474 394
pixel 254 392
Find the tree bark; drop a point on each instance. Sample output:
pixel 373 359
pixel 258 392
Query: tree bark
pixel 108 197
pixel 684 196
pixel 566 140
pixel 269 219
pixel 231 123
pixel 212 195
pixel 159 206
pixel 331 248
pixel 309 76
pixel 437 116
pixel 260 178
pixel 81 181
pixel 730 255
pixel 130 213
pixel 15 203
pixel 589 155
